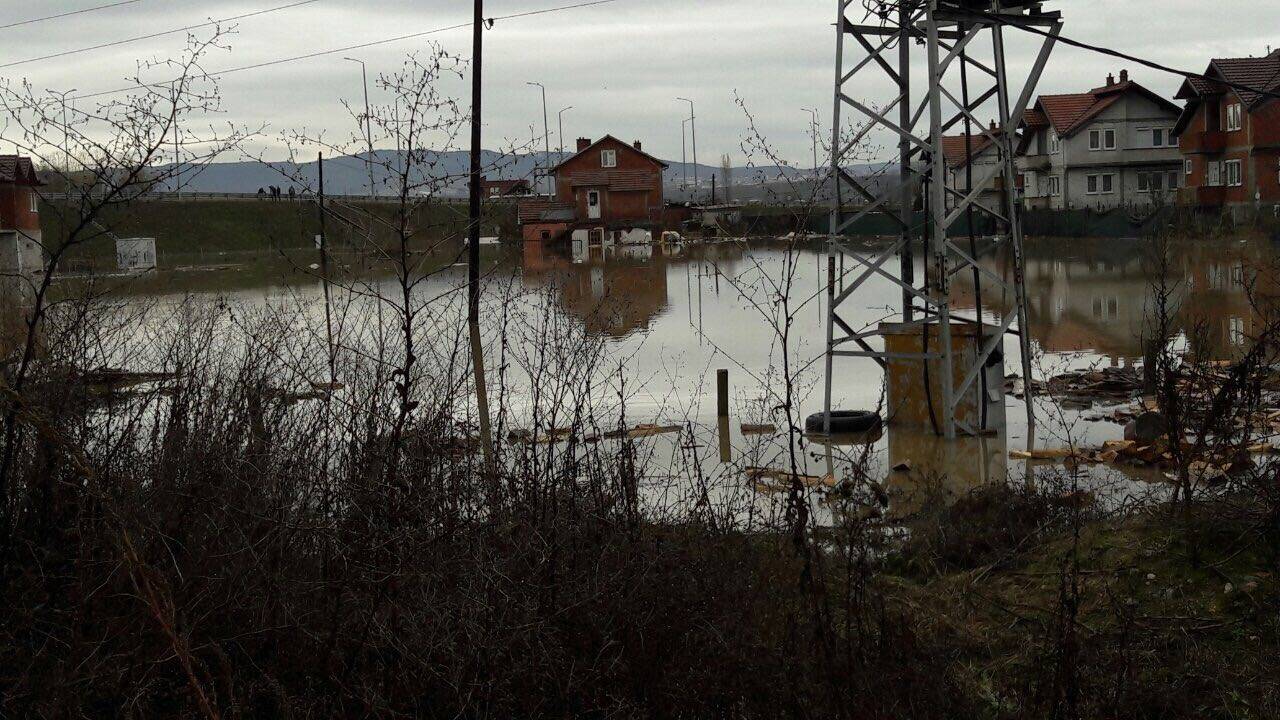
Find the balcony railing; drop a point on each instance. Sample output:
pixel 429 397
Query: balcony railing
pixel 1204 143
pixel 1037 162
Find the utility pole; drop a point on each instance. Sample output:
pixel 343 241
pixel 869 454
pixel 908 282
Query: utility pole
pixel 473 251
pixel 368 129
pixel 560 118
pixel 546 131
pixel 66 133
pixel 321 242
pixel 177 158
pixel 693 132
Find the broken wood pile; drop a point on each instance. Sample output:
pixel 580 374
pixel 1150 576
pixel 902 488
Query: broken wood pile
pixel 555 435
pixel 1218 465
pixel 771 480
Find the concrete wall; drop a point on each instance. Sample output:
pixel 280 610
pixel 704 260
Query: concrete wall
pixel 21 252
pixel 985 162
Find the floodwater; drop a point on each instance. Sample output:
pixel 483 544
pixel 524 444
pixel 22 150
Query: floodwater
pixel 670 317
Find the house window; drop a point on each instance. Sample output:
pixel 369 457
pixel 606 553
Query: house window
pixel 1100 185
pixel 546 234
pixel 1235 330
pixel 608 158
pixel 1157 181
pixel 1157 137
pixel 35 201
pixel 1102 139
pixel 1232 171
pixel 1054 143
pixel 1188 166
pixel 1055 185
pixel 493 192
pixel 1233 117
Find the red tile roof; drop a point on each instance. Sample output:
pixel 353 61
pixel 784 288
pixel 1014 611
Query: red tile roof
pixel 1256 74
pixel 1035 118
pixel 953 148
pixel 15 169
pixel 588 148
pixel 544 209
pixel 1069 113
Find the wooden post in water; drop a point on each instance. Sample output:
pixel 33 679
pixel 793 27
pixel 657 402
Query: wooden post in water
pixel 722 414
pixel 722 393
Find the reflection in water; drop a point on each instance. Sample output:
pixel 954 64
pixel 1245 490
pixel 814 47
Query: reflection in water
pixel 1095 296
pixel 676 313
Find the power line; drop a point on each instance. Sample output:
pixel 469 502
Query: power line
pixel 360 46
pixel 68 14
pixel 1013 22
pixel 151 36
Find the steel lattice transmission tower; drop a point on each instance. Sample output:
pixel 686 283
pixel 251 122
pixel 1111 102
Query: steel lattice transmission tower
pixel 944 33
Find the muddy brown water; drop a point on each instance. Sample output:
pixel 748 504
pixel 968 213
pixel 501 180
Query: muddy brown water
pixel 670 317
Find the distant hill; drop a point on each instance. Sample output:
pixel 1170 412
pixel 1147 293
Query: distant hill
pixel 348 175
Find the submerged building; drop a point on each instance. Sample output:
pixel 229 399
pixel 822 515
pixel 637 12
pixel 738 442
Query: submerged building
pixel 606 190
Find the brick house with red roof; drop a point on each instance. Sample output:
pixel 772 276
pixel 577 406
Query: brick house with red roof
pixel 504 188
pixel 1230 134
pixel 1114 146
pixel 20 240
pixel 983 155
pixel 608 190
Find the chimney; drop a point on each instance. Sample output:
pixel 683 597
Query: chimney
pixel 1111 79
pixel 1124 76
pixel 636 145
pixel 583 144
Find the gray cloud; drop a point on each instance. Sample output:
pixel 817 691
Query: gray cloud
pixel 620 65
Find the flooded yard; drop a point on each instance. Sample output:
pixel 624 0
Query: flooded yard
pixel 661 320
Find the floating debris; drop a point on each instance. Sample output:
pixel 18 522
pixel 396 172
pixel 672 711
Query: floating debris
pixel 775 480
pixel 642 431
pixel 1128 452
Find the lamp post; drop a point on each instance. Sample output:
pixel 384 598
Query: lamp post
pixel 693 132
pixel 368 131
pixel 813 123
pixel 684 159
pixel 66 132
pixel 560 119
pixel 546 131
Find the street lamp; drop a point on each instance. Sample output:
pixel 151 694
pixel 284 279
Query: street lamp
pixel 66 129
pixel 693 132
pixel 546 131
pixel 368 131
pixel 813 119
pixel 684 160
pixel 560 119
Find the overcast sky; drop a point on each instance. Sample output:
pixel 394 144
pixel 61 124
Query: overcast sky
pixel 621 65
